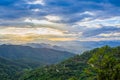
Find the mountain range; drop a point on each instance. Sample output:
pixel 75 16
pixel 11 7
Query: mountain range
pixel 77 46
pixel 15 59
pixel 33 56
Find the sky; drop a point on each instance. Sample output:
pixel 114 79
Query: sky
pixel 49 21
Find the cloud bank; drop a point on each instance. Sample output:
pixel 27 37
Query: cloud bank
pixel 23 21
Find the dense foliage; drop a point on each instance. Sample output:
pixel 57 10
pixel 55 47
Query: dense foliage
pixel 105 63
pixel 98 64
pixel 67 70
pixel 8 69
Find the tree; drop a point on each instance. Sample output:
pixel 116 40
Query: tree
pixel 105 63
pixel 73 78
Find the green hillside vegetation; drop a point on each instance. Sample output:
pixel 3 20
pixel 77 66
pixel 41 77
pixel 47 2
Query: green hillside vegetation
pixel 97 64
pixel 15 59
pixel 104 64
pixel 8 69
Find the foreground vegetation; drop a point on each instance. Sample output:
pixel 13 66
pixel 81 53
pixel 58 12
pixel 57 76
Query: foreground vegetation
pixel 9 69
pixel 97 64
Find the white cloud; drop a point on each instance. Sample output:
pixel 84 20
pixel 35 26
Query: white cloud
pixel 98 23
pixel 45 23
pixel 36 10
pixel 41 2
pixel 86 19
pixel 27 31
pixel 52 18
pixel 37 21
pixel 88 13
pixel 99 39
pixel 112 34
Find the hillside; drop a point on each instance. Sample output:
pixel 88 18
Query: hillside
pixel 33 57
pixel 8 69
pixel 97 64
pixel 62 71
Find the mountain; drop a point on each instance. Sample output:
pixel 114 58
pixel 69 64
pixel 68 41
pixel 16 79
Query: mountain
pixel 75 46
pixel 8 69
pixel 40 45
pixel 33 57
pixel 97 64
pixel 79 47
pixel 49 46
pixel 62 71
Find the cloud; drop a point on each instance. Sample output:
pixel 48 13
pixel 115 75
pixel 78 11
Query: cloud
pixel 112 34
pixel 98 23
pixel 37 21
pixel 104 29
pixel 34 2
pixel 87 13
pixel 53 18
pixel 80 20
pixel 27 34
pixel 99 39
pixel 45 23
pixel 62 39
pixel 36 10
pixel 27 31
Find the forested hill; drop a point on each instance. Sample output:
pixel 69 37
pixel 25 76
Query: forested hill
pixel 14 59
pixel 8 69
pixel 98 64
pixel 33 57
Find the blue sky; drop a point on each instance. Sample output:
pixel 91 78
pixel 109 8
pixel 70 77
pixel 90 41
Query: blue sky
pixel 29 21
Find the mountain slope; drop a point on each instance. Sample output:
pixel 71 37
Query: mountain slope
pixel 8 69
pixel 33 56
pixel 62 71
pixel 77 68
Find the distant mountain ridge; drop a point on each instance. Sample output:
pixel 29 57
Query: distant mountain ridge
pixel 75 46
pixel 33 56
pixel 49 46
